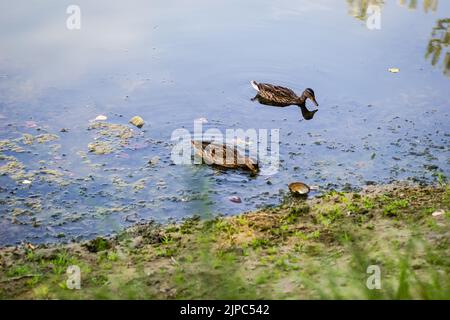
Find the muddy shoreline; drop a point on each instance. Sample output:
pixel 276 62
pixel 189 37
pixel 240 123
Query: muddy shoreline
pixel 313 248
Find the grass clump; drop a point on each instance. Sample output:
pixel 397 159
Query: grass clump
pixel 393 208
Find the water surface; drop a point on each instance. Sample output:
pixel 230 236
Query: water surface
pixel 173 62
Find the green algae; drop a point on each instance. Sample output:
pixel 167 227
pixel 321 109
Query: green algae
pixel 109 137
pixel 44 138
pixel 140 184
pixel 112 130
pixel 11 145
pixel 29 139
pixel 100 147
pixel 14 169
pixel 106 211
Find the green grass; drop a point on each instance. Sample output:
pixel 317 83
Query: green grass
pixel 62 261
pixel 330 216
pixel 18 271
pixel 392 208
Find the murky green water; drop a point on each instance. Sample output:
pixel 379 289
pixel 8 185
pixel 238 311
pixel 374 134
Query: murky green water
pixel 173 62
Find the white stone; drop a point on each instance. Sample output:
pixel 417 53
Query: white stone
pixel 438 213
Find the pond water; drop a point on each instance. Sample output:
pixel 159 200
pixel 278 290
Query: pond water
pixel 65 177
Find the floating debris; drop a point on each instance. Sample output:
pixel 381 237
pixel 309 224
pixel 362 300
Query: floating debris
pixel 235 199
pixel 394 70
pixel 26 182
pixel 137 121
pixel 299 188
pixel 154 161
pixel 30 124
pixel 101 118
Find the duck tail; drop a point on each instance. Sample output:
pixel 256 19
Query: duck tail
pixel 254 85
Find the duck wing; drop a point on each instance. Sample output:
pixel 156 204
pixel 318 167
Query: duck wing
pixel 213 153
pixel 276 92
pixel 224 156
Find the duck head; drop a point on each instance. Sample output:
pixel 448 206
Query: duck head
pixel 309 94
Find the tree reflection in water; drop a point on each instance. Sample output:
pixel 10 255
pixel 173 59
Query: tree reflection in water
pixel 438 45
pixel 439 41
pixel 427 4
pixel 358 8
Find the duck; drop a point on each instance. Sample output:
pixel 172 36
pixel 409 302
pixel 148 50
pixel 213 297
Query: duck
pixel 282 96
pixel 224 156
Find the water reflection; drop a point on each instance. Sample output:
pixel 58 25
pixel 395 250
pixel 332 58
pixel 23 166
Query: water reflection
pixel 427 4
pixel 306 113
pixel 358 8
pixel 438 44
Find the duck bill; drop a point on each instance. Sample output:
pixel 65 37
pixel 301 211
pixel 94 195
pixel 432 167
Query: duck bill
pixel 314 101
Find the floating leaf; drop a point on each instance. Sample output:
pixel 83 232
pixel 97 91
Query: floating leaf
pixel 394 70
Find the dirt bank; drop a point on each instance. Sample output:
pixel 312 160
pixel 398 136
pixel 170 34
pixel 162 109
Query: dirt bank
pixel 304 248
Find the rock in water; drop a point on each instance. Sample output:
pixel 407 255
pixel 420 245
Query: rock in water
pixel 137 121
pixel 235 199
pixel 299 188
pixel 101 118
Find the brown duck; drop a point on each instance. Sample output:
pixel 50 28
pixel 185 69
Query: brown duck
pixel 224 156
pixel 282 96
